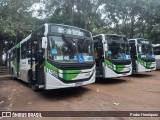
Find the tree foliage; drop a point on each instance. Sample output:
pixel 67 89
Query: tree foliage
pixel 132 18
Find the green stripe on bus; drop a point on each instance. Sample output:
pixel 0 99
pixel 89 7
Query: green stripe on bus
pixel 140 61
pixel 50 66
pixel 71 71
pixel 108 63
pixel 66 74
pixel 69 76
pixel 120 68
pixel 148 64
pixel 18 45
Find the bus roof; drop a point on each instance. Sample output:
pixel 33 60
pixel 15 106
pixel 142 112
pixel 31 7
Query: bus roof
pixel 155 45
pixel 109 34
pixel 67 26
pixel 137 39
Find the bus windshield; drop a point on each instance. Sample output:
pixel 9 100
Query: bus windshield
pixel 144 48
pixel 156 50
pixel 69 49
pixel 118 47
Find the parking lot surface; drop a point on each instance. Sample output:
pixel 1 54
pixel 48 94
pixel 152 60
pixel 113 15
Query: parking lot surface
pixel 139 92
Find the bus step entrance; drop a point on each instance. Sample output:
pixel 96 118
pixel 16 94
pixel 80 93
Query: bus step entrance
pixel 41 76
pixel 99 71
pixel 133 66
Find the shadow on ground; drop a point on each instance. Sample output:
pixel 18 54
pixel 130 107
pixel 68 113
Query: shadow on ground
pixel 141 75
pixel 109 81
pixel 51 95
pixel 60 94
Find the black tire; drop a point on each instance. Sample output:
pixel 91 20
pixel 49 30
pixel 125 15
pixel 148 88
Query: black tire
pixel 32 84
pixel 35 88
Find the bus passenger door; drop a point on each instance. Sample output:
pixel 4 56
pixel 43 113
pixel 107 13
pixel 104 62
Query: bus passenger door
pixel 37 65
pixel 99 57
pixel 40 60
pixel 133 56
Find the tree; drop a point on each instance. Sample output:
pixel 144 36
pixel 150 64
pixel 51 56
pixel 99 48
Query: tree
pixel 15 22
pixel 132 18
pixel 78 13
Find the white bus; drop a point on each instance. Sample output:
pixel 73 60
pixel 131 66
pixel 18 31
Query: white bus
pixel 112 56
pixel 156 50
pixel 143 59
pixel 54 56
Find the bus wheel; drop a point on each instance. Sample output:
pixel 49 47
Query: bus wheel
pixel 35 88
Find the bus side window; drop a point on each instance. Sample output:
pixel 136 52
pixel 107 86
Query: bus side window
pixel 28 48
pixel 34 43
pixel 23 50
pixel 156 50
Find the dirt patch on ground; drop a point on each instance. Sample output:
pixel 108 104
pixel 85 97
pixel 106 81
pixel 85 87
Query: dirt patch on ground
pixel 133 93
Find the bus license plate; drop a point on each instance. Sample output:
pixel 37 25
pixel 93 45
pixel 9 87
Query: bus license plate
pixel 78 84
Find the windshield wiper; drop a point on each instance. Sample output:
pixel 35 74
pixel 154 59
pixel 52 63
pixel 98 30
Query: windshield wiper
pixel 83 44
pixel 69 44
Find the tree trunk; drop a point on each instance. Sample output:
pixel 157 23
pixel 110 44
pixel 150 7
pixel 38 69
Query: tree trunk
pixel 69 9
pixel 1 51
pixel 132 27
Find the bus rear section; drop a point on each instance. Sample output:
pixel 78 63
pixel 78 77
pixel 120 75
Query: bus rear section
pixel 143 59
pixel 57 56
pixel 156 50
pixel 112 56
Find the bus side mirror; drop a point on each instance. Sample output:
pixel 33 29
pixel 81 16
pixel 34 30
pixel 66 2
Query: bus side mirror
pixel 105 47
pixel 140 48
pixel 44 42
